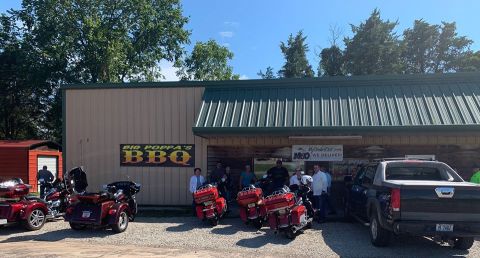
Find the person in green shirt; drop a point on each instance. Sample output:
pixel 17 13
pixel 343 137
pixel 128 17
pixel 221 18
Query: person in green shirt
pixel 476 176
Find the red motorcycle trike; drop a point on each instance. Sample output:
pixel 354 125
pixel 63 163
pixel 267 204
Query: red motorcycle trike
pixel 287 214
pixel 209 205
pixel 113 208
pixel 252 206
pixel 17 207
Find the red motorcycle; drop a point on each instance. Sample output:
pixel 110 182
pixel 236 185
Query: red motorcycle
pixel 287 214
pixel 16 207
pixel 252 206
pixel 113 208
pixel 209 205
pixel 57 197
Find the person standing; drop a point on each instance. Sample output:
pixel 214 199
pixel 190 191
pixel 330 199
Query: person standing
pixel 476 176
pixel 45 175
pixel 279 175
pixel 296 179
pixel 247 178
pixel 329 192
pixel 217 174
pixel 196 181
pixel 319 186
pixel 228 183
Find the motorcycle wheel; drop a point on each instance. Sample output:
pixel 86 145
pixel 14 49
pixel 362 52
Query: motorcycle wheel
pixel 122 223
pixel 76 226
pixel 213 222
pixel 35 220
pixel 258 224
pixel 290 234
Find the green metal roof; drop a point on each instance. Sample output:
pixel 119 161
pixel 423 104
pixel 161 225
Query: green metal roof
pixel 428 102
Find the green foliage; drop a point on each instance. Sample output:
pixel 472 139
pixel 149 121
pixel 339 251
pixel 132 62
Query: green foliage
pixel 296 63
pixel 419 45
pixel 107 40
pixel 374 47
pixel 269 74
pixel 208 62
pixel 331 62
pixel 470 62
pixel 450 50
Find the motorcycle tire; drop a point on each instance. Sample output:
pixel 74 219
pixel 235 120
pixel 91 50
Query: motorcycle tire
pixel 258 224
pixel 213 222
pixel 290 234
pixel 35 220
pixel 122 223
pixel 76 226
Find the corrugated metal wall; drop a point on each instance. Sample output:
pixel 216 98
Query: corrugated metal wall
pixel 99 120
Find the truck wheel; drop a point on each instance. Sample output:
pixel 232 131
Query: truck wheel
pixel 76 226
pixel 463 243
pixel 122 223
pixel 379 236
pixel 35 220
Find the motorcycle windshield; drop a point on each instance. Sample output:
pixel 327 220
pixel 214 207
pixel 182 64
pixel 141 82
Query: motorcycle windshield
pixel 77 180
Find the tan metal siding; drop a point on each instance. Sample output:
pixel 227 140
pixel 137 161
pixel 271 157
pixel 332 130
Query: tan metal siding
pixel 99 120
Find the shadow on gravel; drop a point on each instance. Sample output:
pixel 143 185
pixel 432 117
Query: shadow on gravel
pixel 263 239
pixel 354 240
pixel 187 226
pixel 59 235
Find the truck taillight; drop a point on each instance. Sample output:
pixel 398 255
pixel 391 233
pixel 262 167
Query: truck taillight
pixel 395 199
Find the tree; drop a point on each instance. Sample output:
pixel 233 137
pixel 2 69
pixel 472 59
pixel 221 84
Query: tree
pixel 107 40
pixel 268 73
pixel 296 63
pixel 470 62
pixel 450 50
pixel 419 45
pixel 331 62
pixel 374 47
pixel 23 87
pixel 207 62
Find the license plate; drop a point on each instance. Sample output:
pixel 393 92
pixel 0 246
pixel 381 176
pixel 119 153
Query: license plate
pixel 86 214
pixel 3 221
pixel 208 203
pixel 445 227
pixel 251 205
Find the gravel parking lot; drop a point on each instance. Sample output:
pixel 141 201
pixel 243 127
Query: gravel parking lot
pixel 231 237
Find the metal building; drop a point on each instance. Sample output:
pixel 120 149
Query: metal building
pixel 180 125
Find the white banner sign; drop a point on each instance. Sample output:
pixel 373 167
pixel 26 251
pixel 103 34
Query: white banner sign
pixel 317 152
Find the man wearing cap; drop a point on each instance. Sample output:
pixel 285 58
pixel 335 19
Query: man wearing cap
pixel 476 176
pixel 279 175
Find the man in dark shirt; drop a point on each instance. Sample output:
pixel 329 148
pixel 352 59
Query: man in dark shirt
pixel 46 176
pixel 279 175
pixel 217 174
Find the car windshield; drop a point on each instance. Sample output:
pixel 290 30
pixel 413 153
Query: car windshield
pixel 423 171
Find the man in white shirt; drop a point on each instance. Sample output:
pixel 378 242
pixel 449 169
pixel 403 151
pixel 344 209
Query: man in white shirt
pixel 320 189
pixel 296 179
pixel 196 181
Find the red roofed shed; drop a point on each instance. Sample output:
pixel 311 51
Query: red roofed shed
pixel 23 159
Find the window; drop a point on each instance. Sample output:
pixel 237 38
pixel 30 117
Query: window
pixel 369 175
pixel 425 171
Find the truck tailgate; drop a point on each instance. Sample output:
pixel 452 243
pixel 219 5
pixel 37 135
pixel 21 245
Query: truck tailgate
pixel 439 201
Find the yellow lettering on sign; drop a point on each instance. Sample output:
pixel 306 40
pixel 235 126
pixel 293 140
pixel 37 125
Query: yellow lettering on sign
pixel 133 156
pixel 180 157
pixel 156 157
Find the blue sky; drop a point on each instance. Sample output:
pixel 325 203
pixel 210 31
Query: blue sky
pixel 253 29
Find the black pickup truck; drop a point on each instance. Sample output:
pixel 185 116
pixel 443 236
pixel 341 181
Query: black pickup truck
pixel 416 197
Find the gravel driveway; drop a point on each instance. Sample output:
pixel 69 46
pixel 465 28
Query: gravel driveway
pixel 232 237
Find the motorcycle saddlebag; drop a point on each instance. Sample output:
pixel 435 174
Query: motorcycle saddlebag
pixel 279 201
pixel 205 194
pixel 252 195
pixel 14 191
pixel 221 205
pixel 299 215
pixel 5 210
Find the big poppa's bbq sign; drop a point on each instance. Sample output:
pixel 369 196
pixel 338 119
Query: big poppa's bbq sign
pixel 157 155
